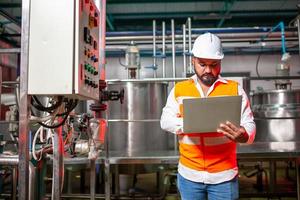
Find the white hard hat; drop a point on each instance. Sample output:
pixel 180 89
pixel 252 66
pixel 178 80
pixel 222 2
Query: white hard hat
pixel 208 46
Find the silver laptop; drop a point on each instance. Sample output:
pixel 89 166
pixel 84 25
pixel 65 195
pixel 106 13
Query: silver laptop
pixel 203 115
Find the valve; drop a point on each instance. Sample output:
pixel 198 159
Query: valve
pixel 113 95
pixel 106 95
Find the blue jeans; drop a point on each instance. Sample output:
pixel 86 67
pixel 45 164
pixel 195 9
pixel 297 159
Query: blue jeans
pixel 190 190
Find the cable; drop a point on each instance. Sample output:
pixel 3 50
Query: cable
pixel 54 126
pixel 39 106
pixel 72 106
pixel 69 109
pixel 39 132
pixel 121 62
pixel 257 61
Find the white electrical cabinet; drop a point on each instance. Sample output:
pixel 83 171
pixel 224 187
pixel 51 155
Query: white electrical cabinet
pixel 64 48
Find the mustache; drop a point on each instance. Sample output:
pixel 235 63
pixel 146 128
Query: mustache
pixel 209 75
pixel 208 79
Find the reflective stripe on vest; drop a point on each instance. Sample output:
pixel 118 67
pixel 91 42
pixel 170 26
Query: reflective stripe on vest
pixel 211 152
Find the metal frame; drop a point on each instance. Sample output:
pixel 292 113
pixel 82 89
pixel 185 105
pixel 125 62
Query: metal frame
pixel 259 151
pixel 23 183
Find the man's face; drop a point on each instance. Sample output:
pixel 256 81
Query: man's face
pixel 207 70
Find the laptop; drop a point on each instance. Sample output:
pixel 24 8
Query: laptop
pixel 204 115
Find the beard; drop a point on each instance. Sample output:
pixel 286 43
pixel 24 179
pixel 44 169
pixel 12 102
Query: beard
pixel 208 79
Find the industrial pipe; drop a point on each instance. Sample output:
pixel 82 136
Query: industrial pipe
pixel 9 160
pixel 14 183
pixel 190 44
pixel 154 49
pixel 173 48
pixel 164 48
pixel 225 36
pixel 10 51
pixel 298 28
pixel 24 111
pixel 32 176
pixel 195 31
pixel 0 86
pixel 184 49
pixel 280 25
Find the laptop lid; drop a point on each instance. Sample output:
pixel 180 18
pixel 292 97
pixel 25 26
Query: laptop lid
pixel 203 115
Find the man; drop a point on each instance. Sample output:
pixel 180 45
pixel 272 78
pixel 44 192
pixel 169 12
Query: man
pixel 207 165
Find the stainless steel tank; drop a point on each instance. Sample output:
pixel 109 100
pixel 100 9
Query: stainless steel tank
pixel 134 125
pixel 277 115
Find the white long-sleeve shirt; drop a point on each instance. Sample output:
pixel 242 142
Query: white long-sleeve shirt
pixel 171 123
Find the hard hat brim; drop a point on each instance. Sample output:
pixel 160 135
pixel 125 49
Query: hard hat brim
pixel 210 57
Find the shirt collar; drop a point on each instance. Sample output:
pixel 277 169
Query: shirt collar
pixel 211 88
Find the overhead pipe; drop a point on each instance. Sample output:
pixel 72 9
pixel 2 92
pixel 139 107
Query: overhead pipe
pixel 224 36
pixel 194 31
pixel 280 26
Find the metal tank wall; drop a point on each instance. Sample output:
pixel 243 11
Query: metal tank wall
pixel 134 125
pixel 277 115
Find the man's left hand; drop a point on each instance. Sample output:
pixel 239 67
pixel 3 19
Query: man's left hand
pixel 237 134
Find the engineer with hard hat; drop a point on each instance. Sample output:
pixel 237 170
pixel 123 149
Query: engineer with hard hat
pixel 207 166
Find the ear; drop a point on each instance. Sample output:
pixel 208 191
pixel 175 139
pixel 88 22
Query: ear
pixel 193 61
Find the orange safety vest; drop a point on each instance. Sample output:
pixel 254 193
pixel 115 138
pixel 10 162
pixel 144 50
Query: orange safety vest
pixel 211 152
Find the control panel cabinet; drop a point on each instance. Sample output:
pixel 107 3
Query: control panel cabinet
pixel 64 48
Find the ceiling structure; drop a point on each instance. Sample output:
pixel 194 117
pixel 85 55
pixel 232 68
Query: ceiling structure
pixel 137 15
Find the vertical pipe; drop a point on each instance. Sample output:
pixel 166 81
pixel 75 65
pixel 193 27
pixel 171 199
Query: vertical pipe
pixel 297 172
pixel 283 49
pixel 0 87
pixel 117 180
pixel 57 164
pixel 92 178
pixel 107 179
pixel 24 113
pixel 272 182
pixel 164 48
pixel 102 77
pixel 154 49
pixel 184 49
pixel 298 26
pixel 102 41
pixel 173 48
pixel 173 67
pixel 32 176
pixel 190 44
pixel 14 183
pixel 69 181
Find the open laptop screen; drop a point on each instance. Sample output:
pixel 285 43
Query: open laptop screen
pixel 203 115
